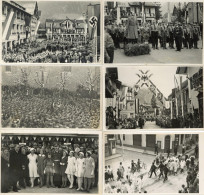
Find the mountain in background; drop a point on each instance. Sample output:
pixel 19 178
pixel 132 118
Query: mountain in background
pixel 62 10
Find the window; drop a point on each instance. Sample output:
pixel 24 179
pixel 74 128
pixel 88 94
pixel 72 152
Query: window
pixel 8 69
pixel 123 137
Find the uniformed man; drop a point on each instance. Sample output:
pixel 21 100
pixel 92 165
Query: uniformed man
pixel 164 35
pixel 195 36
pixel 109 48
pixel 56 155
pixel 154 35
pixel 178 33
pixel 171 35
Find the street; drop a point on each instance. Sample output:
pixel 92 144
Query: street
pixel 167 56
pixel 151 185
pixel 55 190
pixel 151 125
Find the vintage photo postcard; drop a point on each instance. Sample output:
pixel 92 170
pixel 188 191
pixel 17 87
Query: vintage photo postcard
pixel 151 163
pixel 156 97
pixel 49 163
pixel 51 97
pixel 50 31
pixel 153 32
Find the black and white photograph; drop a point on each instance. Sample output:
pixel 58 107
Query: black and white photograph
pixel 156 97
pixel 49 163
pixel 50 31
pixel 50 97
pixel 151 163
pixel 153 32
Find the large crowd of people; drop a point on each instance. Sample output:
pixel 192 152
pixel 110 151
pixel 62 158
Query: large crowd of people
pixel 161 35
pixel 51 51
pixel 132 179
pixel 163 121
pixel 73 166
pixel 47 110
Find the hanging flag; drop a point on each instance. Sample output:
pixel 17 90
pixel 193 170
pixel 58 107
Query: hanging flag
pixel 26 137
pixel 2 137
pixel 19 137
pixel 42 138
pixel 50 138
pixel 137 105
pixel 57 138
pixel 85 139
pixel 167 104
pixel 10 137
pixel 64 139
pixel 79 139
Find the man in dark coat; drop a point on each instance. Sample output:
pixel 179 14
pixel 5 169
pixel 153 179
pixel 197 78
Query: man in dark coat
pixel 156 149
pixel 166 170
pixel 15 167
pixel 178 34
pixel 57 157
pixel 132 28
pixel 153 170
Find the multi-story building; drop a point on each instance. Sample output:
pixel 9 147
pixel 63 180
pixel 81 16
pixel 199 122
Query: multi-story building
pixel 194 12
pixel 19 22
pixel 64 28
pixel 145 12
pixel 146 142
pixel 191 90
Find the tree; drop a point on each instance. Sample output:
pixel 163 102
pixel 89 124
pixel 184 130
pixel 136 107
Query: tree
pixel 41 79
pixel 63 78
pixel 22 80
pixel 158 14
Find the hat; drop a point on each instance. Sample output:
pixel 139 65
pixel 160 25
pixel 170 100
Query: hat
pixel 81 153
pixel 31 149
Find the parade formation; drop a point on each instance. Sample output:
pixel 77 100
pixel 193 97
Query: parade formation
pixel 51 51
pixel 37 38
pixel 139 34
pixel 142 174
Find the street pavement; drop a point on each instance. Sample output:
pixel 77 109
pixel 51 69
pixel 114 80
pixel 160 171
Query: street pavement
pixel 166 56
pixel 151 125
pixel 44 189
pixel 151 185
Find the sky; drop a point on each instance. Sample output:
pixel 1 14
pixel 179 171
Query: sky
pixel 62 9
pixel 163 76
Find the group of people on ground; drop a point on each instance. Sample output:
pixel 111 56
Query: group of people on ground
pixel 54 166
pixel 51 51
pixel 177 35
pixel 47 110
pixel 131 180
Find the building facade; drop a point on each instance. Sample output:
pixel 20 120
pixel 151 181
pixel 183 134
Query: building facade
pixel 66 28
pixel 190 94
pixel 147 142
pixel 18 23
pixel 194 12
pixel 145 11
